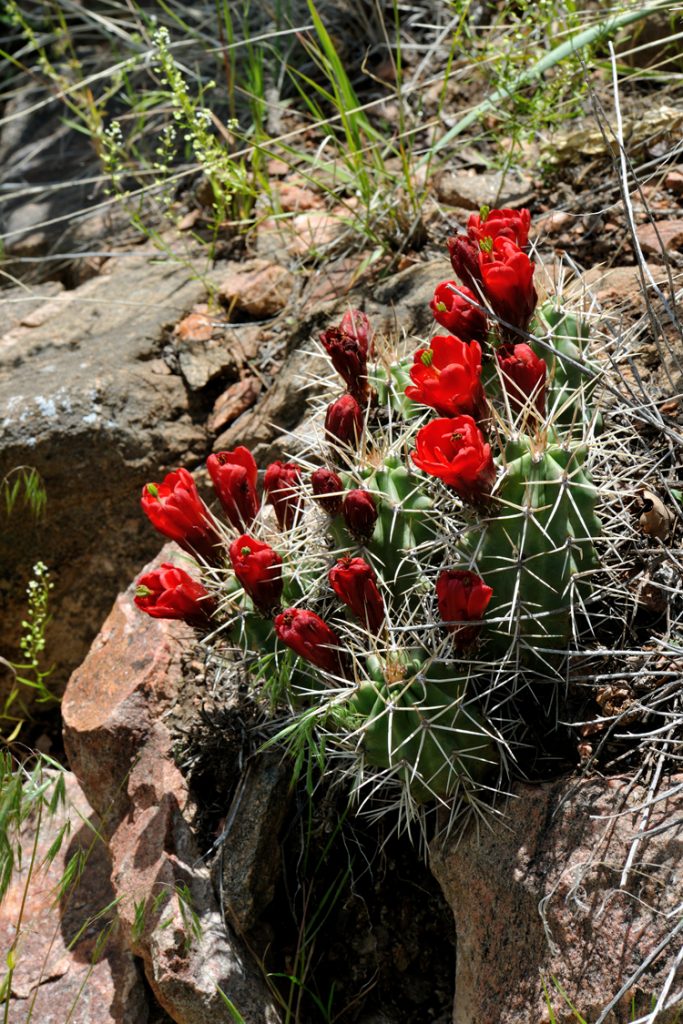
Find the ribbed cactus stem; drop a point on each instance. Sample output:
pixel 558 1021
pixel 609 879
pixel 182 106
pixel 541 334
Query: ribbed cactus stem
pixel 419 726
pixel 403 524
pixel 573 377
pixel 537 547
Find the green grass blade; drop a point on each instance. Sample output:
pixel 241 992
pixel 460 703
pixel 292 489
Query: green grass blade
pixel 594 34
pixel 232 1009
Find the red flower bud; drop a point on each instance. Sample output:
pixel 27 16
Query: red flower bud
pixel 170 593
pixel 454 450
pixel 508 282
pixel 344 421
pixel 234 476
pixel 446 377
pixel 347 347
pixel 311 638
pixel 259 570
pixel 328 487
pixel 282 486
pixel 354 583
pixel 453 310
pixel 524 376
pixel 356 325
pixel 462 596
pixel 505 223
pixel 360 514
pixel 175 509
pixel 464 255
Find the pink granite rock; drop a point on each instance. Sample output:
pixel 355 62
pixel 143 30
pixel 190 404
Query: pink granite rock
pixel 259 288
pixel 539 898
pixel 665 236
pixel 120 749
pixel 59 973
pixel 293 198
pixel 235 400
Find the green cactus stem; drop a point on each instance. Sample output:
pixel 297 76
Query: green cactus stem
pixel 572 377
pixel 403 525
pixel 537 551
pixel 417 724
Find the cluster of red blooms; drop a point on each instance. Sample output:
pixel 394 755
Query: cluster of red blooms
pixel 177 511
pixel 491 261
pixel 496 274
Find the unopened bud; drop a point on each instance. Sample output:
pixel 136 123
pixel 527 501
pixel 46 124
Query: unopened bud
pixel 360 514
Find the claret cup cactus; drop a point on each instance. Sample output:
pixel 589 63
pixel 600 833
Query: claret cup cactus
pixel 411 589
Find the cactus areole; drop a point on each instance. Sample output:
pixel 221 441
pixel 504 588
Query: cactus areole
pixel 434 557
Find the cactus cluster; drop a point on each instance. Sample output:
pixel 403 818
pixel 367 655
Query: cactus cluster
pixel 413 585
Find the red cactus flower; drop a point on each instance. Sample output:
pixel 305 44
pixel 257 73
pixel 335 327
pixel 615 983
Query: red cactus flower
pixel 356 324
pixel 462 596
pixel 344 421
pixel 355 583
pixel 347 347
pixel 508 282
pixel 505 223
pixel 175 509
pixel 454 450
pixel 234 475
pixel 281 484
pixel 524 377
pixel 446 377
pixel 464 254
pixel 327 488
pixel 259 570
pixel 170 593
pixel 311 638
pixel 453 309
pixel 360 514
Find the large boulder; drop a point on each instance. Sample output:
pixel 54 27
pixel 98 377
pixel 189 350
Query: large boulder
pixel 89 401
pixel 120 749
pixel 572 898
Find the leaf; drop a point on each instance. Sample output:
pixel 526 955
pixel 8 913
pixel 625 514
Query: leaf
pixel 655 518
pixel 232 1009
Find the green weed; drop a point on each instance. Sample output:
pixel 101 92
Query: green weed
pixel 24 793
pixel 157 118
pixel 30 672
pixel 232 1009
pixel 533 108
pixel 154 115
pixel 35 791
pixel 23 485
pixel 534 74
pixel 635 1015
pixel 65 71
pixel 318 897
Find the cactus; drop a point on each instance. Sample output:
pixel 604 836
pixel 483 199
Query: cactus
pixel 403 525
pixel 464 537
pixel 417 725
pixel 537 549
